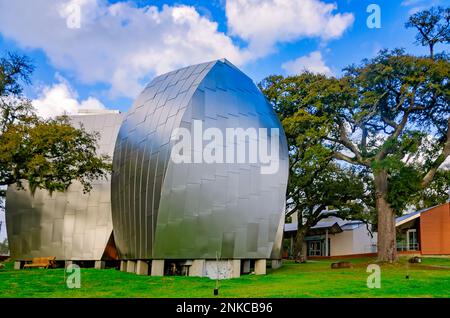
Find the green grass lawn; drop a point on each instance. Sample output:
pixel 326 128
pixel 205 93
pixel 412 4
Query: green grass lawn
pixel 313 279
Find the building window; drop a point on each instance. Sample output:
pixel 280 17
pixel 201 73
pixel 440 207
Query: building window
pixel 411 240
pixel 314 248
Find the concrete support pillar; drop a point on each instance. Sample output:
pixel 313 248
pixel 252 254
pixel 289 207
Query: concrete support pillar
pixel 197 268
pixel 260 267
pixel 17 264
pixel 142 268
pixel 236 268
pixel 100 264
pixel 131 266
pixel 157 267
pixel 276 263
pixel 123 266
pixel 246 266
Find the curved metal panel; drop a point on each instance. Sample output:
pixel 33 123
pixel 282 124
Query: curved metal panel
pixel 69 225
pixel 195 210
pixel 141 156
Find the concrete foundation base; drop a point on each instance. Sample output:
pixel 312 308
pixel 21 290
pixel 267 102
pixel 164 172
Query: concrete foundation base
pixel 142 268
pixel 100 265
pixel 157 267
pixel 276 263
pixel 260 267
pixel 197 268
pixel 236 263
pixel 246 266
pixel 223 269
pixel 131 266
pixel 17 264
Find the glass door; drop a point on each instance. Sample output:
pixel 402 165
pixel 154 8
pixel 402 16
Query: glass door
pixel 411 240
pixel 314 248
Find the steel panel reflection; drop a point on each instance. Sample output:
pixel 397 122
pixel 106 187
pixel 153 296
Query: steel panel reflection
pixel 69 225
pixel 163 210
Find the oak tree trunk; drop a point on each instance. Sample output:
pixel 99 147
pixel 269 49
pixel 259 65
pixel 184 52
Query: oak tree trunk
pixel 387 246
pixel 298 247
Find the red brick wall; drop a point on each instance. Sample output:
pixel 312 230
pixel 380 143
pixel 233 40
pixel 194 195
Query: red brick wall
pixel 435 230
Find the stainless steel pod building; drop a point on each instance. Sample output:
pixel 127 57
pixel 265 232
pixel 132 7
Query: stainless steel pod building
pixel 196 210
pixel 69 225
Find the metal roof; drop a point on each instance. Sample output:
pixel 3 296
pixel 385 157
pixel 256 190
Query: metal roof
pixel 411 216
pixel 319 228
pixel 324 227
pixel 343 224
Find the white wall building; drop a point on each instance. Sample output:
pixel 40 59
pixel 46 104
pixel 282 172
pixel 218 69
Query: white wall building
pixel 333 236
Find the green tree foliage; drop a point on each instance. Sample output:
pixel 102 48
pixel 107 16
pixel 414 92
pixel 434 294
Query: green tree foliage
pixel 315 180
pixel 381 117
pixel 49 154
pixel 433 27
pixel 46 153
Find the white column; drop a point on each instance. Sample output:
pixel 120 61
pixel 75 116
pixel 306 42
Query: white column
pixel 246 266
pixel 99 264
pixel 131 266
pixel 260 266
pixel 326 242
pixel 157 267
pixel 236 268
pixel 197 268
pixel 142 268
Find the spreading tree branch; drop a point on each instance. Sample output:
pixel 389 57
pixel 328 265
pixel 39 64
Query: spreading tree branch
pixel 345 141
pixel 439 160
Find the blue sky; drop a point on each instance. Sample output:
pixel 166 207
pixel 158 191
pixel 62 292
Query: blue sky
pixel 74 78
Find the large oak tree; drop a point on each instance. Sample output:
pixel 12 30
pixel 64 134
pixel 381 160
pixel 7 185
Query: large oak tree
pixel 380 116
pixel 42 153
pixel 316 180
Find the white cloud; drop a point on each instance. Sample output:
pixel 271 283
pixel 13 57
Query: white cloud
pixel 119 44
pixel 313 63
pixel 419 5
pixel 123 45
pixel 410 2
pixel 60 99
pixel 263 23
